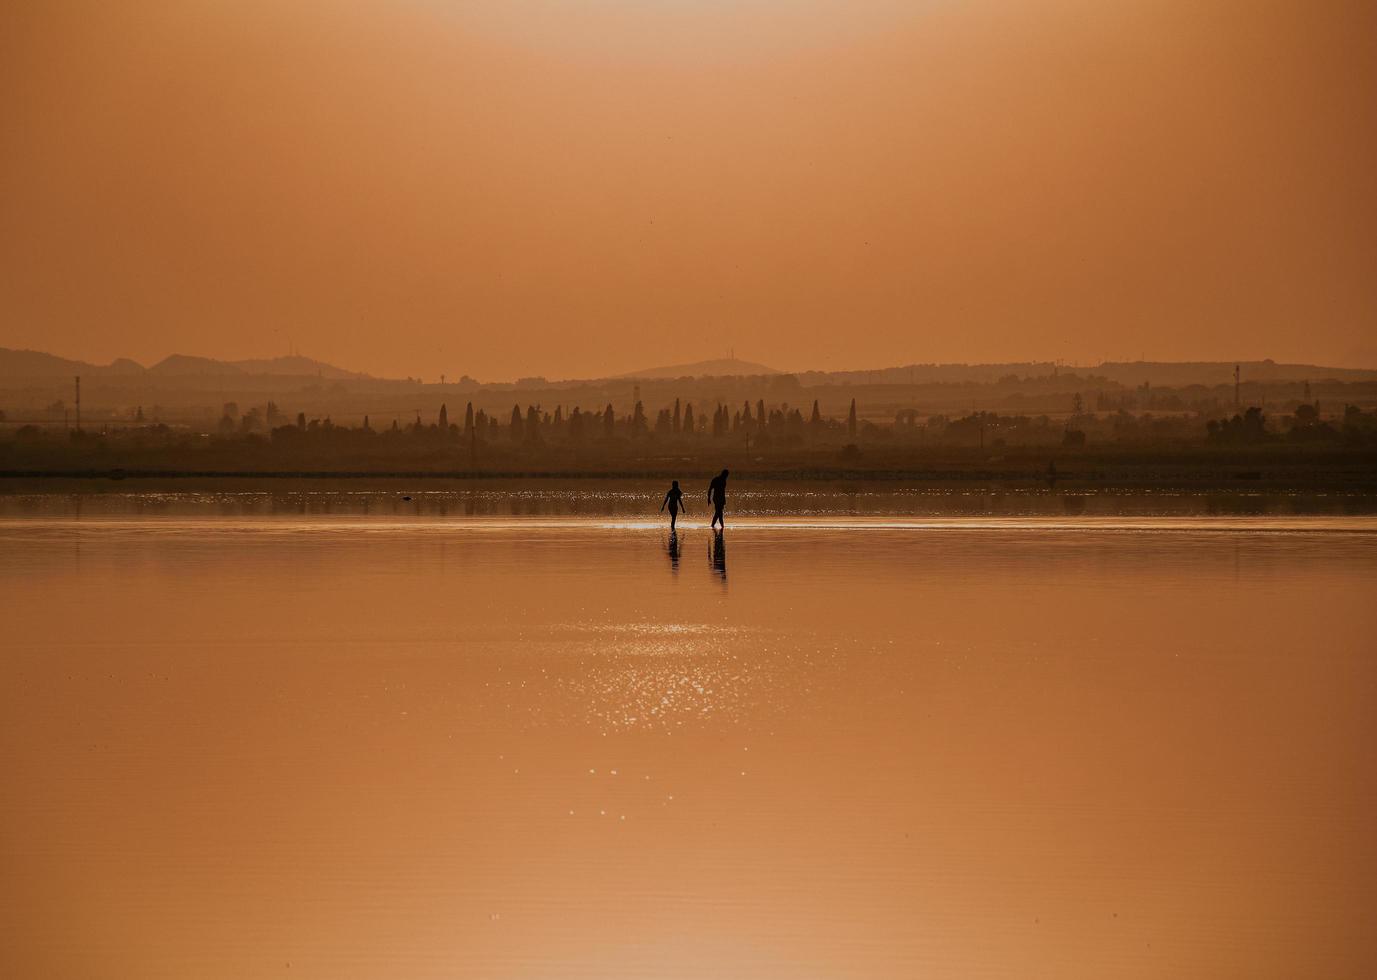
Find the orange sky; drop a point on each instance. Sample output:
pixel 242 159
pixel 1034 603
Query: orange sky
pixel 575 189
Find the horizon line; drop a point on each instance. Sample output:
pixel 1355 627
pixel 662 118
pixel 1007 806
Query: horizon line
pixel 633 376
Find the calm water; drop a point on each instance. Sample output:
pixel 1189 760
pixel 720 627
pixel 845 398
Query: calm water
pixel 283 733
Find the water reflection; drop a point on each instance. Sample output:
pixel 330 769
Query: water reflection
pixel 446 749
pixel 672 549
pixel 717 554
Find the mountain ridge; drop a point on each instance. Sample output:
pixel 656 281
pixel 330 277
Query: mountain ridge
pixel 721 367
pixel 20 364
pixel 31 365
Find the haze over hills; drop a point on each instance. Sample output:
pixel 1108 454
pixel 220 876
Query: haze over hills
pixel 723 367
pixel 30 364
pixel 847 185
pixel 1122 372
pixel 291 366
pixel 200 393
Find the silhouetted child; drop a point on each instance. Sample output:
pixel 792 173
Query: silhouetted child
pixel 674 499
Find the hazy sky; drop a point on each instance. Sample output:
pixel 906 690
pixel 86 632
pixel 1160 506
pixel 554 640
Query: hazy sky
pixel 581 188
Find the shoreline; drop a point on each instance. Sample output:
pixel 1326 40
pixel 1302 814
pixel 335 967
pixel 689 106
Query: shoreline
pixel 1143 477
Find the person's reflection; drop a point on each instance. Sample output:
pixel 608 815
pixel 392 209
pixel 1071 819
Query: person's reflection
pixel 673 550
pixel 717 555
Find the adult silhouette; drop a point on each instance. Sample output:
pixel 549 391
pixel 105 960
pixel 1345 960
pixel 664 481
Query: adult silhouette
pixel 717 496
pixel 674 499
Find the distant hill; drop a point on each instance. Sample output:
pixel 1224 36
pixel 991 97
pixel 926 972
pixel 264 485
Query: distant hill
pixel 296 367
pixel 31 364
pixel 721 368
pixel 179 365
pixel 1222 372
pixel 1130 373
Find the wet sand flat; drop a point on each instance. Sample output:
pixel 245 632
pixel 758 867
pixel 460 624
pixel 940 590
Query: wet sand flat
pixel 856 745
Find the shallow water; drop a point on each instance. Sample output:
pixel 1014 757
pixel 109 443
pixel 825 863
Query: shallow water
pixel 546 741
pixel 635 500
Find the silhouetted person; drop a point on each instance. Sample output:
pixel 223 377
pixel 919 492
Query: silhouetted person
pixel 717 496
pixel 674 499
pixel 718 555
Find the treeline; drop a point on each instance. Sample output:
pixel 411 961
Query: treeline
pixel 752 424
pixel 347 402
pixel 533 425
